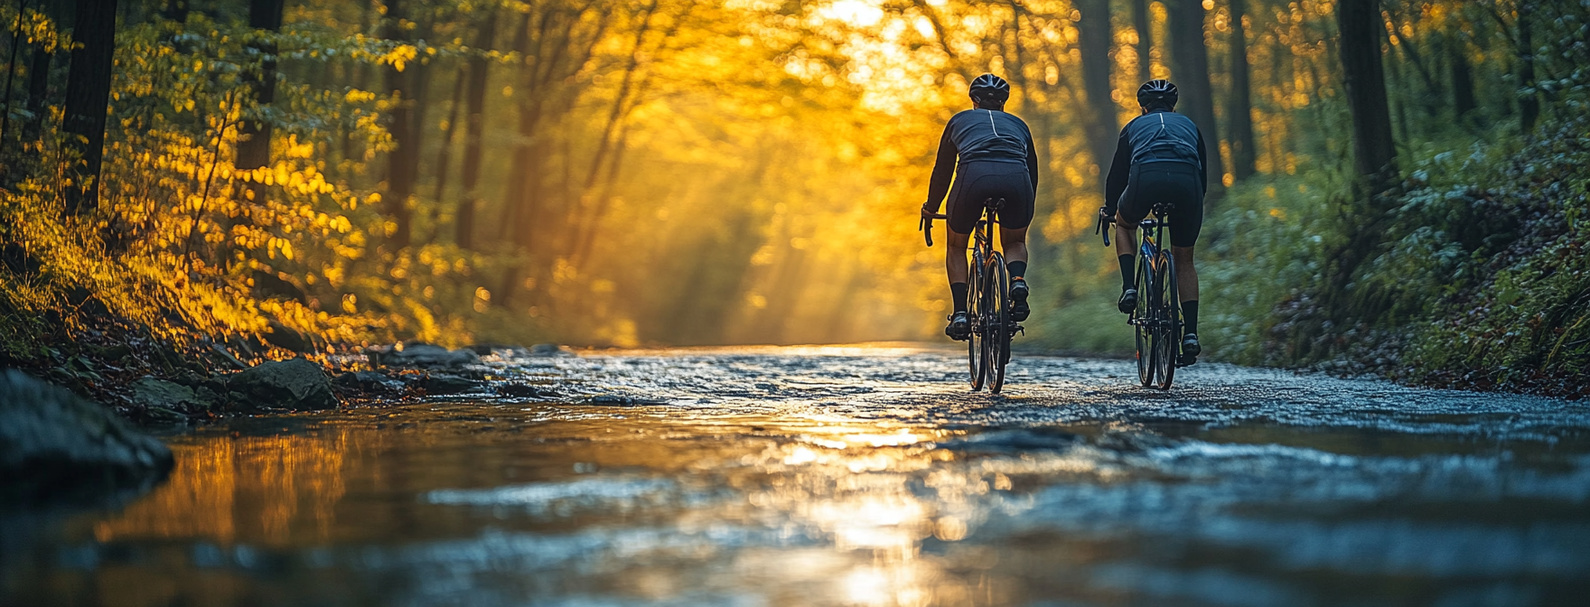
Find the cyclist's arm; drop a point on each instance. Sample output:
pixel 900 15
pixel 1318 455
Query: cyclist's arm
pixel 943 170
pixel 1203 165
pixel 1120 169
pixel 1032 165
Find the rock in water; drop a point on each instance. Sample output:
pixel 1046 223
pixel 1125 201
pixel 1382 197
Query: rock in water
pixel 155 393
pixel 426 355
pixel 53 441
pixel 295 384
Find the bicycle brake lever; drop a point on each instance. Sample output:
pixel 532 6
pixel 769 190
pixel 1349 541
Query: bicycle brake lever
pixel 926 226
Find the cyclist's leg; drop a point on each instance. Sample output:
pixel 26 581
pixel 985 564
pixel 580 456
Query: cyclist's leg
pixel 955 260
pixel 1014 219
pixel 955 267
pixel 962 218
pixel 1130 209
pixel 1133 206
pixel 1185 224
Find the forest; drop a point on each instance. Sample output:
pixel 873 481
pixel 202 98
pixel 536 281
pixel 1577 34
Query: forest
pixel 1399 190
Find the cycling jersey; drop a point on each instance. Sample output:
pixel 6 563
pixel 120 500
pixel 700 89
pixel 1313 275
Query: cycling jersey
pixel 980 135
pixel 1158 136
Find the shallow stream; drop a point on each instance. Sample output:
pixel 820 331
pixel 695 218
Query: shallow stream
pixel 854 476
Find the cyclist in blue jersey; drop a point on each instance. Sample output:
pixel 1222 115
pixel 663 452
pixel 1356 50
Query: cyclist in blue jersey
pixel 991 155
pixel 1160 158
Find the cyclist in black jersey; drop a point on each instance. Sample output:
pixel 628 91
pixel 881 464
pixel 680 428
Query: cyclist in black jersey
pixel 991 155
pixel 1160 158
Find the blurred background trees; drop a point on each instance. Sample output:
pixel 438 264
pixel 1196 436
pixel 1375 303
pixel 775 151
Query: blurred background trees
pixel 665 171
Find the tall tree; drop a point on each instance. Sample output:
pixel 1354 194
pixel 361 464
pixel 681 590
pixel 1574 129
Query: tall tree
pixel 1462 73
pixel 404 155
pixel 1095 38
pixel 1143 23
pixel 38 90
pixel 1243 157
pixel 254 151
pixel 1374 150
pixel 1528 97
pixel 475 100
pixel 11 70
pixel 88 98
pixel 1190 70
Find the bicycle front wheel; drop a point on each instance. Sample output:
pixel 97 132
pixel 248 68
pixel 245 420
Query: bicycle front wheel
pixel 976 363
pixel 1167 342
pixel 996 328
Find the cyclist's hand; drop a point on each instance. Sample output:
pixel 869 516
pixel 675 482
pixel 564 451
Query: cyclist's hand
pixel 929 212
pixel 1106 214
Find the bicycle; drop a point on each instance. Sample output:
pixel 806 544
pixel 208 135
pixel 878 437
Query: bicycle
pixel 1157 320
pixel 987 301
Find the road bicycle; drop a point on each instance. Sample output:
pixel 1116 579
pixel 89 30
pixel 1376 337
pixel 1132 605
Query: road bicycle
pixel 1157 320
pixel 987 302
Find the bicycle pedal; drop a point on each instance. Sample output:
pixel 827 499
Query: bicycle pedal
pixel 1186 361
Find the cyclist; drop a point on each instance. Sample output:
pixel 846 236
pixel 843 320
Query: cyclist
pixel 1159 158
pixel 991 155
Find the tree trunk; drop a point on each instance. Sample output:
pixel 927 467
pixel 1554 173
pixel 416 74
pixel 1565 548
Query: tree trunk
pixel 1244 160
pixel 38 91
pixel 1095 38
pixel 444 154
pixel 254 151
pixel 88 99
pixel 476 101
pixel 1143 23
pixel 1374 150
pixel 1463 100
pixel 1528 97
pixel 1190 69
pixel 400 175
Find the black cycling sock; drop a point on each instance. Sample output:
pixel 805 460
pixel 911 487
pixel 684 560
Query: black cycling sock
pixel 958 295
pixel 1018 269
pixel 1126 271
pixel 1189 313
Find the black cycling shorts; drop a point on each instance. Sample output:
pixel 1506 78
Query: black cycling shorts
pixel 1174 182
pixel 976 182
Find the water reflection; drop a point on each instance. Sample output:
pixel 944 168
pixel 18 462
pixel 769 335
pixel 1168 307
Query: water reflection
pixel 270 490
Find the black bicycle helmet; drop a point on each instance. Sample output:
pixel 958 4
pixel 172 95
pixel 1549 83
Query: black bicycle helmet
pixel 989 87
pixel 1157 93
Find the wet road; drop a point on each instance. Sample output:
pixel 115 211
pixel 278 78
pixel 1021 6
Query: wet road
pixel 857 476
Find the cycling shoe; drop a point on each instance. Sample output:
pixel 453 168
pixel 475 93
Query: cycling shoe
pixel 959 328
pixel 1128 301
pixel 1018 301
pixel 1190 348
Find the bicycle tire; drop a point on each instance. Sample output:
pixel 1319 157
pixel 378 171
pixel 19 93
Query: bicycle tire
pixel 1172 331
pixel 1141 320
pixel 974 314
pixel 1164 321
pixel 997 327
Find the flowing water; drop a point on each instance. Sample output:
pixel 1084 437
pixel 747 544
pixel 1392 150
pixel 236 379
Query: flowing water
pixel 854 476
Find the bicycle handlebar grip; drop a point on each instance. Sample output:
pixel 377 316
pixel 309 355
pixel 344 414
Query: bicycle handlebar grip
pixel 1100 229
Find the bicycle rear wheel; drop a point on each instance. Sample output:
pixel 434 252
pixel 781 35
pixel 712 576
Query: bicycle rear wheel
pixel 1167 344
pixel 1142 323
pixel 974 314
pixel 996 329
